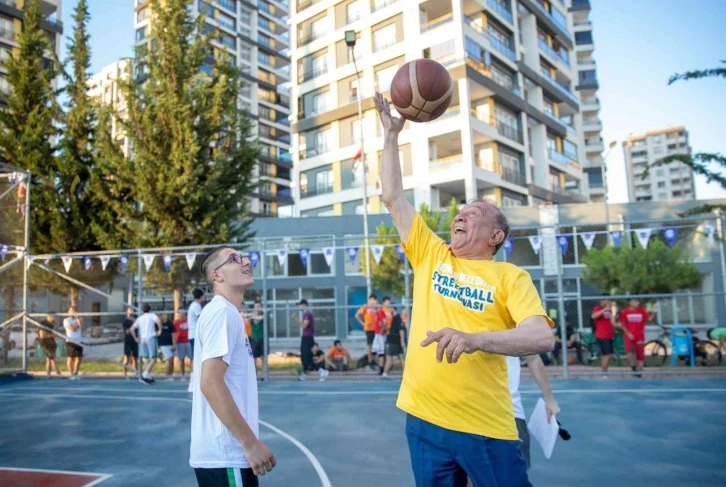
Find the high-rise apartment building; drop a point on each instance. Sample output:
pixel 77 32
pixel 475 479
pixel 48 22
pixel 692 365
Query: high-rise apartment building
pixel 256 35
pixel 672 181
pixel 11 24
pixel 587 85
pixel 104 86
pixel 513 133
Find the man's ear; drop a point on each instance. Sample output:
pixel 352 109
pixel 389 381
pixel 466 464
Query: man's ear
pixel 497 238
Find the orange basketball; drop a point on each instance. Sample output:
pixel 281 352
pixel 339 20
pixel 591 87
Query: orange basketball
pixel 421 90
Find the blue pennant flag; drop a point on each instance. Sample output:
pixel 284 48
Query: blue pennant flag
pixel 304 254
pixel 167 262
pixel 617 237
pixel 86 263
pixel 564 243
pixel 401 253
pixel 254 258
pixel 352 253
pixel 670 234
pixel 3 251
pixel 124 262
pixel 508 244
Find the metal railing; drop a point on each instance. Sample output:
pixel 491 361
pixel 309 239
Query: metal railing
pixel 314 73
pixel 446 162
pixel 509 132
pixel 310 191
pixel 228 4
pixel 438 22
pixel 552 53
pixel 380 4
pixel 309 37
pixel 500 9
pixel 558 86
pixel 559 157
pixel 558 22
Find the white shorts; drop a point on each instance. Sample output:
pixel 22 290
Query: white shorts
pixel 166 352
pixel 379 345
pixel 147 348
pixel 183 350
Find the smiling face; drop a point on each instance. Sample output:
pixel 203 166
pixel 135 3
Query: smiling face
pixel 230 274
pixel 475 232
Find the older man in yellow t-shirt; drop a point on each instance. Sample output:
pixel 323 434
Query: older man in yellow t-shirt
pixel 470 313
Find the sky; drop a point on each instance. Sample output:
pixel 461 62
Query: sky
pixel 638 45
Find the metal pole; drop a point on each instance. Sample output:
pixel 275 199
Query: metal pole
pixel 26 252
pixel 720 228
pixel 265 334
pixel 139 286
pixel 561 312
pixel 365 178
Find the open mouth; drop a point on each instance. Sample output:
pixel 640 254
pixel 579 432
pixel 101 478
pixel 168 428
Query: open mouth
pixel 459 230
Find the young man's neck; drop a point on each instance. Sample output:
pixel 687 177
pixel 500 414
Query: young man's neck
pixel 232 295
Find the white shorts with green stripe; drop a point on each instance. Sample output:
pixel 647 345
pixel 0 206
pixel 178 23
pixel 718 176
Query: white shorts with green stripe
pixel 148 348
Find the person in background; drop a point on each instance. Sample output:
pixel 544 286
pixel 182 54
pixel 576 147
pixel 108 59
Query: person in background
pixel 367 317
pixel 633 320
pixel 131 346
pixel 338 357
pixel 149 326
pixel 602 316
pixel 74 338
pixel 4 344
pixel 396 342
pixel 195 309
pixel 167 344
pixel 573 343
pixel 48 345
pixel 257 336
pixel 183 347
pixel 307 324
pixel 246 319
pixel 380 331
pixel 318 357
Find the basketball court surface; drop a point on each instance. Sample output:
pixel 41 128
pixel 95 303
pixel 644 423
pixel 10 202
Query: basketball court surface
pixel 664 433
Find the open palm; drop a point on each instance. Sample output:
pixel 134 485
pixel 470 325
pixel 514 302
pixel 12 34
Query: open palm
pixel 390 123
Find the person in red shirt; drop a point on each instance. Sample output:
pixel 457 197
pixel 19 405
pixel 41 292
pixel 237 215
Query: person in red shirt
pixel 633 319
pixel 602 315
pixel 183 346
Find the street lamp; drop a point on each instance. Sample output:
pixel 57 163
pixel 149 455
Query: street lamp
pixel 350 39
pixel 605 183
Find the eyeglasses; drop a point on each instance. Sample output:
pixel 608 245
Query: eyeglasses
pixel 236 258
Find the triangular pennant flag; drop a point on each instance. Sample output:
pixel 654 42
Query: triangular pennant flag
pixel 508 244
pixel 104 261
pixel 3 251
pixel 328 253
pixel 67 261
pixel 564 243
pixel 29 262
pixel 45 261
pixel 167 262
pixel 710 233
pixel 377 253
pixel 643 235
pixel 148 260
pixel 281 256
pixel 617 236
pixel 401 253
pixel 536 242
pixel 352 253
pixel 191 257
pixel 254 258
pixel 670 234
pixel 304 254
pixel 124 262
pixel 588 238
pixel 86 263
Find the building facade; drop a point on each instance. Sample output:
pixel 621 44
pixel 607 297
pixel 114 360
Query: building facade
pixel 514 131
pixel 672 181
pixel 11 24
pixel 104 87
pixel 256 37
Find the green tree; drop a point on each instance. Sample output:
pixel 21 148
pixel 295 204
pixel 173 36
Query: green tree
pixel 187 180
pixel 659 269
pixel 28 125
pixel 450 215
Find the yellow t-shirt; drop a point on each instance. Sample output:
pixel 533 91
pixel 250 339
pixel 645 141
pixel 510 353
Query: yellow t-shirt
pixel 471 396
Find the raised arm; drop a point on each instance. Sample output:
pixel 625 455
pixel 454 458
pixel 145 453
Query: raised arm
pixel 402 212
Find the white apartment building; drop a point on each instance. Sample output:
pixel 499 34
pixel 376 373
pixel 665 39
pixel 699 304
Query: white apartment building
pixel 513 133
pixel 256 35
pixel 670 182
pixel 11 25
pixel 104 86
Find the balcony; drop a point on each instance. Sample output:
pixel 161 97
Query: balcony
pixel 380 4
pixel 352 18
pixel 433 24
pixel 495 42
pixel 303 4
pixel 512 133
pixel 229 5
pixel 556 56
pixel 554 119
pixel 500 10
pixel 560 158
pixel 590 104
pixel 308 37
pixel 314 73
pixel 591 125
pixel 580 5
pixel 444 163
pixel 557 21
pixel 318 190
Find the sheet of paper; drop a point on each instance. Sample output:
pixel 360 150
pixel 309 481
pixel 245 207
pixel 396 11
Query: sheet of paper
pixel 545 433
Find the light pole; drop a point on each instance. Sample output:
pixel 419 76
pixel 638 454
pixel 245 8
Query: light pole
pixel 350 38
pixel 605 184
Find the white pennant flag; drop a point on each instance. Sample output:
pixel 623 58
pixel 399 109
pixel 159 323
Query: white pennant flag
pixel 281 256
pixel 67 261
pixel 710 233
pixel 536 242
pixel 191 257
pixel 643 235
pixel 328 253
pixel 148 260
pixel 30 262
pixel 588 238
pixel 104 261
pixel 377 253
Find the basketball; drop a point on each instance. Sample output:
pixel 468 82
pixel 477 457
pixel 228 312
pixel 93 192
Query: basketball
pixel 421 90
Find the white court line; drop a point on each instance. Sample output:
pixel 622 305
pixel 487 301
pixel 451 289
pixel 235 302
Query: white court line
pixel 101 476
pixel 324 480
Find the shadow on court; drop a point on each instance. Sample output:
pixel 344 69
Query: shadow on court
pixel 650 432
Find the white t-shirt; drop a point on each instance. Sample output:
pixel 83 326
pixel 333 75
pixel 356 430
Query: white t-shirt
pixel 513 371
pixel 221 333
pixel 73 335
pixel 146 324
pixel 195 309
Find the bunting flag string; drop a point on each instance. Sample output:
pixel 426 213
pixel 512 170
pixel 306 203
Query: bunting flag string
pixel 148 260
pixel 564 242
pixel 67 261
pixel 670 234
pixel 352 253
pixel 3 251
pixel 710 233
pixel 377 253
pixel 191 258
pixel 536 242
pixel 254 258
pixel 508 244
pixel 281 256
pixel 105 259
pixel 617 236
pixel 401 253
pixel 643 235
pixel 588 238
pixel 167 262
pixel 304 254
pixel 328 253
pixel 86 263
pixel 124 262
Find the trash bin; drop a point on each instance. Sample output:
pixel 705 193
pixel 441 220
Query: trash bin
pixel 682 345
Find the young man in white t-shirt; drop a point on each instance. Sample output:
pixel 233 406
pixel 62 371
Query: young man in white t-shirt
pixel 149 327
pixel 74 339
pixel 225 446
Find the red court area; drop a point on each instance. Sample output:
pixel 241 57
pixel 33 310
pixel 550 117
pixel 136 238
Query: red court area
pixel 48 478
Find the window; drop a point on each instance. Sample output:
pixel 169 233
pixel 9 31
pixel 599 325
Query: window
pixel 672 146
pixel 661 184
pixel 499 35
pixel 501 77
pixel 473 50
pixel 676 194
pixel 143 14
pixel 319 65
pixel 660 173
pixel 505 116
pixel 350 179
pixel 583 38
pixel 384 78
pixel 658 149
pixel 245 53
pixel 7 28
pixel 263 58
pixel 551 144
pixel 639 153
pixel 594 179
pixel 570 149
pixel 245 19
pixel 321 142
pixel 352 11
pixel 548 107
pixel 555 185
pixel 140 34
pixel 662 196
pixel 353 90
pixel 675 170
pixel 320 103
pixel 226 21
pixel 4 84
pixel 682 144
pixel 317 28
pixel 355 131
pixel 508 202
pixel 384 37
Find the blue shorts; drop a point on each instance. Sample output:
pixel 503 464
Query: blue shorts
pixel 445 458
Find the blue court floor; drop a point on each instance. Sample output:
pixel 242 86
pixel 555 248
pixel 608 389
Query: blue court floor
pixel 664 433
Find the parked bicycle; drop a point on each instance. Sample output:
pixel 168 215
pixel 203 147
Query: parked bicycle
pixel 706 352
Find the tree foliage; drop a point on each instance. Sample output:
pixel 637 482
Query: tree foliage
pixel 659 269
pixel 719 71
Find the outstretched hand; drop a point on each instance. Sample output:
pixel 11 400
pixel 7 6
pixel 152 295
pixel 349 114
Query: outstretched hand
pixel 452 342
pixel 390 123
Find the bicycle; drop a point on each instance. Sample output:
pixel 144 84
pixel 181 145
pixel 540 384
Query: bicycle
pixel 706 352
pixel 591 352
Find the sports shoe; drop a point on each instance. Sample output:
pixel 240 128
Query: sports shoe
pixel 144 381
pixel 385 376
pixel 323 375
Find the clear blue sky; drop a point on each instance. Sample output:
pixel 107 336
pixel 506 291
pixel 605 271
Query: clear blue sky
pixel 639 44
